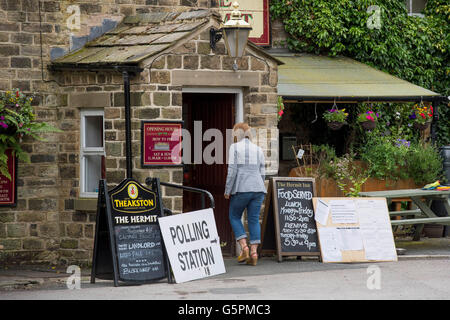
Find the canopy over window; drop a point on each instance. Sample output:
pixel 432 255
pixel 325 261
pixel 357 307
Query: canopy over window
pixel 306 77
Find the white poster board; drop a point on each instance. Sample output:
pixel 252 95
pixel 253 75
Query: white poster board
pixel 354 230
pixel 192 244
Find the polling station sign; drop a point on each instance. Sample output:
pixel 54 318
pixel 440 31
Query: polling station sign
pixel 192 244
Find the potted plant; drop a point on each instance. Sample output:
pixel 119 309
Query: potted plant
pixel 368 120
pixel 421 116
pixel 335 118
pixel 17 120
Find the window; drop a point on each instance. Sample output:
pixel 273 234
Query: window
pixel 415 7
pixel 92 155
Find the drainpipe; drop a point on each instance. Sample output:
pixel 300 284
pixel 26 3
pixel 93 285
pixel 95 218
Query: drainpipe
pixel 126 89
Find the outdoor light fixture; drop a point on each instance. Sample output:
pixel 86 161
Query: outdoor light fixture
pixel 235 33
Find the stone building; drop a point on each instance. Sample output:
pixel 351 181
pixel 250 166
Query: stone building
pixel 76 79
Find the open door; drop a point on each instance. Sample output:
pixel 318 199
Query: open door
pixel 216 111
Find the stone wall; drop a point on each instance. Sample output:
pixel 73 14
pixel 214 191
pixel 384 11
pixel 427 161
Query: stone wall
pixel 51 224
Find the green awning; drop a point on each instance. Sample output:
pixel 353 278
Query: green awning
pixel 306 77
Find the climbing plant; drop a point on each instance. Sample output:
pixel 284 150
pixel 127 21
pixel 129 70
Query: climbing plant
pixel 412 48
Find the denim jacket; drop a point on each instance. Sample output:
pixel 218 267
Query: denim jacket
pixel 246 168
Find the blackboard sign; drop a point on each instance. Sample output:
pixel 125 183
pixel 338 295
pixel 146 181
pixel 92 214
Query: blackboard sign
pixel 289 228
pixel 128 246
pixel 139 252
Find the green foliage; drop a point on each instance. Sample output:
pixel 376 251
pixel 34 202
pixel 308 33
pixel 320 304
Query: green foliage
pixel 424 163
pixel 395 158
pixel 324 156
pixel 17 120
pixel 412 48
pixel 349 176
pixel 385 159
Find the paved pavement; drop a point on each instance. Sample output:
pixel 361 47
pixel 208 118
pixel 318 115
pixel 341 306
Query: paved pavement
pixel 422 272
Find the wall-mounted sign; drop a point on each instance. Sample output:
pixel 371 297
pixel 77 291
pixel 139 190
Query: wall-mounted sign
pixel 161 143
pixel 255 12
pixel 8 187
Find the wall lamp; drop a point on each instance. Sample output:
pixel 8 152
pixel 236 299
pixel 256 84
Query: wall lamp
pixel 235 34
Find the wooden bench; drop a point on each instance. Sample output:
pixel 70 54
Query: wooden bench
pixel 423 199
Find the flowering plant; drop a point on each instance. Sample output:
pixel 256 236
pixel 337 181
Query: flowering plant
pixel 402 143
pixel 368 116
pixel 421 113
pixel 335 115
pixel 280 106
pixel 17 120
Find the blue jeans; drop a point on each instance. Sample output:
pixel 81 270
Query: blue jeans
pixel 252 201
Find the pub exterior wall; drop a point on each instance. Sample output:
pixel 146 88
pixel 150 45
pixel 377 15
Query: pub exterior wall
pixel 51 224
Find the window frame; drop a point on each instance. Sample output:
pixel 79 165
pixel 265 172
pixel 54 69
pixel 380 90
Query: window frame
pixel 409 9
pixel 89 151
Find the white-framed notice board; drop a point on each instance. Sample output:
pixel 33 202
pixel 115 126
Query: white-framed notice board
pixel 354 230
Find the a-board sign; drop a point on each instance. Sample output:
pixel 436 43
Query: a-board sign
pixel 288 227
pixel 128 245
pixel 161 143
pixel 193 245
pixel 8 186
pixel 354 230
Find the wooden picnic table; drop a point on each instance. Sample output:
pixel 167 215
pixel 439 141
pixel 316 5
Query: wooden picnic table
pixel 423 199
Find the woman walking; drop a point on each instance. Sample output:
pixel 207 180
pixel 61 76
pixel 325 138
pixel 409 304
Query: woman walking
pixel 246 190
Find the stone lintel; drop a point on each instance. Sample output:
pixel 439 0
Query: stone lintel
pixel 215 78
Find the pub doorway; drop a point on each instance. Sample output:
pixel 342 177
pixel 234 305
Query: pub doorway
pixel 203 111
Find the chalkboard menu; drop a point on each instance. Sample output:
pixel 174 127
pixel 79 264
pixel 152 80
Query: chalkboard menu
pixel 139 252
pixel 128 245
pixel 289 228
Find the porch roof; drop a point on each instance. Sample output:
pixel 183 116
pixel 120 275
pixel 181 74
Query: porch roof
pixel 137 38
pixel 307 77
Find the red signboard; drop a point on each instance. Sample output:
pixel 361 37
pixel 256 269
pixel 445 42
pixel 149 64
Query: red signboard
pixel 161 143
pixel 8 188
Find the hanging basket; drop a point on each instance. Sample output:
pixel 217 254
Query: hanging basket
pixel 368 125
pixel 421 126
pixel 335 125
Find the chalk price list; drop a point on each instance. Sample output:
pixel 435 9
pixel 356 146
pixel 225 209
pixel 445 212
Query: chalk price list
pixel 139 250
pixel 296 223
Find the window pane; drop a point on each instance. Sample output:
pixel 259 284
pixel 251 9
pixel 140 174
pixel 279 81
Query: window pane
pixel 93 135
pixel 415 6
pixel 93 172
pixel 418 6
pixel 408 5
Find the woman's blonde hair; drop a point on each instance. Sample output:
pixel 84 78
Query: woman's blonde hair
pixel 242 130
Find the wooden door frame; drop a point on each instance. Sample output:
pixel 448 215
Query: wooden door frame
pixel 238 117
pixel 239 98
